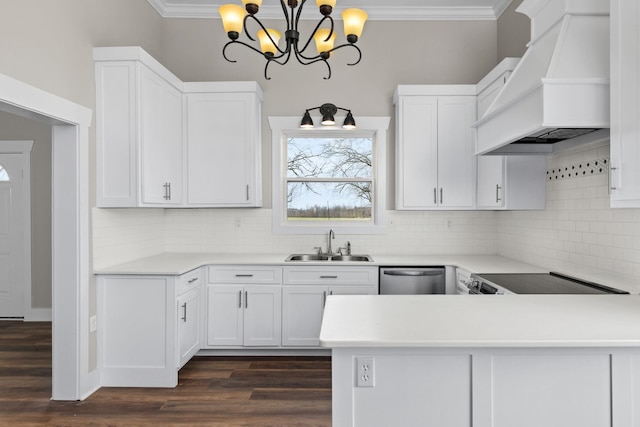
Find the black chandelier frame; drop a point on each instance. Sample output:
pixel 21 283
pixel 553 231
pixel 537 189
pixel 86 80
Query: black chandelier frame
pixel 292 37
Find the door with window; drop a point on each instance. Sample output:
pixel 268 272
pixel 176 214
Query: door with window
pixel 12 247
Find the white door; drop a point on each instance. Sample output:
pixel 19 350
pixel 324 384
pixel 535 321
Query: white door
pixel 12 245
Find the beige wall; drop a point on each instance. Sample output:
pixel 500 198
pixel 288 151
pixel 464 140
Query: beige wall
pixel 48 44
pixel 409 52
pixel 514 31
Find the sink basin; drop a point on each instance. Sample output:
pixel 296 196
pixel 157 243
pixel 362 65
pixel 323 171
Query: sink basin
pixel 307 257
pixel 315 257
pixel 360 258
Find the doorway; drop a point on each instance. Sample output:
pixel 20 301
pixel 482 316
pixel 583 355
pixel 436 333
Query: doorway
pixel 71 377
pixel 15 228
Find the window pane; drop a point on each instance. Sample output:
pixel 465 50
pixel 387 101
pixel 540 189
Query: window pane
pixel 4 176
pixel 329 157
pixel 329 201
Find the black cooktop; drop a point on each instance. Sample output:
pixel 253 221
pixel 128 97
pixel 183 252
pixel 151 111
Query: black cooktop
pixel 543 283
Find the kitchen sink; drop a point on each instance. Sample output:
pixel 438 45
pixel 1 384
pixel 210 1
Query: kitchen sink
pixel 315 257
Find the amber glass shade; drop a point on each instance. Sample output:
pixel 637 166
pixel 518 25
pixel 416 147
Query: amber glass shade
pixel 331 3
pixel 354 20
pixel 266 45
pixel 232 17
pixel 322 44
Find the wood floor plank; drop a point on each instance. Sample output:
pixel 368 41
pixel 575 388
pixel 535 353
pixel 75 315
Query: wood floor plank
pixel 212 391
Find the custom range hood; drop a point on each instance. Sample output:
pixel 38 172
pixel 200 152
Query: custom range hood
pixel 558 94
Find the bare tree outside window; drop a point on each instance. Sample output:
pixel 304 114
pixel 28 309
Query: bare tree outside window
pixel 329 178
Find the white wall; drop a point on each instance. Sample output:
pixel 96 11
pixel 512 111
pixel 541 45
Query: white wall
pixel 578 234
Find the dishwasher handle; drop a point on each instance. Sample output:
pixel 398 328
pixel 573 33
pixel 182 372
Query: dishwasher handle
pixel 412 272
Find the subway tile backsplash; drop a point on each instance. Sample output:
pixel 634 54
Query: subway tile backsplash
pixel 577 234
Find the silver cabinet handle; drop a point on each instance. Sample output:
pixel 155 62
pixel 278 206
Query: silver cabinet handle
pixel 324 298
pixel 184 317
pixel 435 196
pixel 244 275
pixel 239 299
pixel 166 191
pixel 328 277
pixel 440 195
pixel 498 188
pixel 195 279
pixel 247 192
pixel 246 299
pixel 611 176
pixel 169 191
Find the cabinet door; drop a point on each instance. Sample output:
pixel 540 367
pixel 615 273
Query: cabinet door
pixel 625 104
pixel 417 152
pixel 160 140
pixel 490 181
pixel 225 315
pixel 262 315
pixel 456 159
pixel 302 314
pixel 222 149
pixel 188 326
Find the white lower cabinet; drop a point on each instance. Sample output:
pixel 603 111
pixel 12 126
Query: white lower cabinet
pixel 244 306
pixel 243 315
pixel 189 329
pixel 304 292
pixel 143 339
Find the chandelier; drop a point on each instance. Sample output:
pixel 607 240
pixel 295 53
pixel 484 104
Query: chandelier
pixel 234 20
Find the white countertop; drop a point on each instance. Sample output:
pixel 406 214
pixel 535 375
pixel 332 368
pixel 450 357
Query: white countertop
pixel 479 321
pixel 180 263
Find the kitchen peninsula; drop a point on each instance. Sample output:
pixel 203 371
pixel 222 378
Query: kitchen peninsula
pixel 525 360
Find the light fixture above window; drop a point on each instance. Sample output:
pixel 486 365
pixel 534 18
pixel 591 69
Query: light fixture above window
pixel 328 112
pixel 234 20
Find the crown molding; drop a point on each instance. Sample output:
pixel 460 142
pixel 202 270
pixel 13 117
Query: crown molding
pixel 381 13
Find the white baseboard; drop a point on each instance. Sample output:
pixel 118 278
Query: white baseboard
pixel 38 315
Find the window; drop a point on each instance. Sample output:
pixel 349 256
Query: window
pixel 4 176
pixel 329 178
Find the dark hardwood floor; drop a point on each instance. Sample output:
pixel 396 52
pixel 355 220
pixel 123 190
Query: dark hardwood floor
pixel 212 391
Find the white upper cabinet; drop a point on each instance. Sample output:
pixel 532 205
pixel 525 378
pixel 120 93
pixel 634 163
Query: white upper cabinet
pixel 165 143
pixel 139 130
pixel 625 104
pixel 435 162
pixel 507 182
pixel 223 144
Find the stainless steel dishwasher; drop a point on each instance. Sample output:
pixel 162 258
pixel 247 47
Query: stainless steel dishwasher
pixel 412 280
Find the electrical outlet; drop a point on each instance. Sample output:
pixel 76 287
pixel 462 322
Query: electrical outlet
pixel 365 372
pixel 93 324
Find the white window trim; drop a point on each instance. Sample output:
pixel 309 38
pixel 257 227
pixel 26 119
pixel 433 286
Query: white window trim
pixel 279 128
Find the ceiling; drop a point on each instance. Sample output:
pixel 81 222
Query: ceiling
pixel 377 9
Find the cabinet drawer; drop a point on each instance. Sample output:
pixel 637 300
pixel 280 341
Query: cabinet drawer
pixel 244 274
pixel 189 281
pixel 330 275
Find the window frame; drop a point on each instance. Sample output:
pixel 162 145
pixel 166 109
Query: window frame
pixel 281 128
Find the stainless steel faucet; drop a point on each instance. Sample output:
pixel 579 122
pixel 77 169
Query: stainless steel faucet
pixel 331 235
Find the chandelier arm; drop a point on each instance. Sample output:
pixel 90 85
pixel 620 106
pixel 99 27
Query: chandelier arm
pixel 244 25
pixel 286 13
pixel 297 20
pixel 313 33
pixel 224 49
pixel 275 59
pixel 349 45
